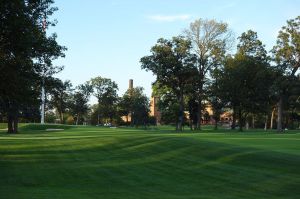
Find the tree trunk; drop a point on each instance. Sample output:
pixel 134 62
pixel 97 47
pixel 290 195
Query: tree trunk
pixel 16 124
pixel 216 124
pixel 10 128
pixel 272 118
pixel 132 119
pixel 181 110
pixel 279 117
pixel 233 119
pixel 61 117
pixel 199 112
pixel 77 119
pixel 12 123
pixel 240 120
pixel 266 123
pixel 253 122
pixel 199 116
pixel 286 123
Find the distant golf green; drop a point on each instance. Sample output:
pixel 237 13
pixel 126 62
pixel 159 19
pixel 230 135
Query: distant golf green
pixel 97 162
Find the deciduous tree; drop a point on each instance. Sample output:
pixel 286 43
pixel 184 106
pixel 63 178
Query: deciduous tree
pixel 172 62
pixel 246 80
pixel 60 97
pixel 25 53
pixel 287 56
pixel 138 106
pixel 210 40
pixel 105 90
pixel 79 101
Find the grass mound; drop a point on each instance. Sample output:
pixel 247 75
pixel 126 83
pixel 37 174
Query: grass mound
pixel 42 127
pixel 3 125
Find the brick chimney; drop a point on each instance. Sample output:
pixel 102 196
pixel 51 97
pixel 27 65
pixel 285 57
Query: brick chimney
pixel 130 83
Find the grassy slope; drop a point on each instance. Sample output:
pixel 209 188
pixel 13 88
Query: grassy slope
pixel 127 163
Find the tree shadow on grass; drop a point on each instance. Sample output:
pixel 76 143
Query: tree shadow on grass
pixel 149 166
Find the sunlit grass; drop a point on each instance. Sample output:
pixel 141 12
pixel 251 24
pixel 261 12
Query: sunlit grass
pixel 93 162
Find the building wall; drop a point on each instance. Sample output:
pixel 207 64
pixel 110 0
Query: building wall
pixel 154 109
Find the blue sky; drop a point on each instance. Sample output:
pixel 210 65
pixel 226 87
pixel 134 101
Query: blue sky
pixel 108 38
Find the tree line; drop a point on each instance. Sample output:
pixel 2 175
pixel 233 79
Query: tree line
pixel 26 64
pixel 197 68
pixel 71 105
pixel 193 69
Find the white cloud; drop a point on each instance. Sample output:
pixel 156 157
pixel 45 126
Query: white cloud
pixel 169 18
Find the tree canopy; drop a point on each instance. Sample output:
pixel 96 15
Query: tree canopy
pixel 173 63
pixel 26 53
pixel 210 41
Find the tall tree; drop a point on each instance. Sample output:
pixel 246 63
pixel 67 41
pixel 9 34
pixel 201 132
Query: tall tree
pixel 210 40
pixel 79 102
pixel 245 82
pixel 167 104
pixel 293 103
pixel 60 97
pixel 138 106
pixel 105 90
pixel 123 107
pixel 25 51
pixel 249 45
pixel 172 62
pixel 287 56
pixel 215 96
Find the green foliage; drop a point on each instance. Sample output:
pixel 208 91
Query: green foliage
pixel 245 81
pixel 287 50
pixel 173 64
pixel 249 45
pixel 50 117
pixel 286 54
pixel 215 99
pixel 245 84
pixel 79 101
pixel 210 40
pixel 60 97
pixel 138 106
pixel 26 54
pixel 167 103
pixel 105 90
pixel 171 61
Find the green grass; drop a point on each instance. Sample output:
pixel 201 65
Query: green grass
pixel 90 162
pixel 3 126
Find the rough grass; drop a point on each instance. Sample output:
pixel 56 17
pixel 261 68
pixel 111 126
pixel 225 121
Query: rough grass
pixel 89 162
